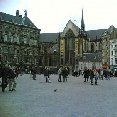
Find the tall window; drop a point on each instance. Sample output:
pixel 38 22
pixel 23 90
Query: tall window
pixel 92 47
pixel 112 61
pixel 115 52
pixel 115 60
pixel 5 49
pixel 112 53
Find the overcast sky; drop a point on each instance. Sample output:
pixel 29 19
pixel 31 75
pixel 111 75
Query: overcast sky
pixel 53 15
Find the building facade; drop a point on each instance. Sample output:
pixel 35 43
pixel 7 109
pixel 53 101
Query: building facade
pixel 76 46
pixel 48 54
pixel 113 50
pixel 79 49
pixel 19 39
pixel 108 47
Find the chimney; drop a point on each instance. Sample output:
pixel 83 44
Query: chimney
pixel 17 13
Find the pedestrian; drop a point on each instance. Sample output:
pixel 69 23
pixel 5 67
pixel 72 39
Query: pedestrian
pixel 12 79
pixel 91 76
pixel 33 72
pixel 59 73
pixel 86 75
pixel 75 73
pixel 64 74
pixel 101 74
pixel 107 74
pixel 79 72
pixel 4 75
pixel 16 69
pixel 46 75
pixel 96 74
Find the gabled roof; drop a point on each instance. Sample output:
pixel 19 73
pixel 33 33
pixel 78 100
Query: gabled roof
pixel 16 19
pixel 26 21
pixel 72 26
pixel 111 29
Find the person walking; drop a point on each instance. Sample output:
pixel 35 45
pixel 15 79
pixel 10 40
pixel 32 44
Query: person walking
pixel 86 75
pixel 59 73
pixel 96 74
pixel 107 74
pixel 101 74
pixel 12 79
pixel 33 72
pixel 4 75
pixel 91 76
pixel 46 75
pixel 65 74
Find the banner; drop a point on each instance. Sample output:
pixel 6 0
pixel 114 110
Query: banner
pixel 62 46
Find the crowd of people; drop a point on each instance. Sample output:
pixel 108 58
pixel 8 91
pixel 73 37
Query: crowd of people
pixel 95 74
pixel 9 74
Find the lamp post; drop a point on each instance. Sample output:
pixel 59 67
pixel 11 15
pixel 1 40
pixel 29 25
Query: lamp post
pixel 54 58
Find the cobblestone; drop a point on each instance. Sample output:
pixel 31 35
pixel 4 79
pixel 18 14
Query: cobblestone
pixel 35 98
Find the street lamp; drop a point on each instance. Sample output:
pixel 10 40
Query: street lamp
pixel 54 57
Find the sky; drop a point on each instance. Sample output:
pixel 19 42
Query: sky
pixel 51 16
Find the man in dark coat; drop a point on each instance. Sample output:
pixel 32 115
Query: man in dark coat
pixel 91 76
pixel 4 74
pixel 86 75
pixel 46 75
pixel 65 74
pixel 33 72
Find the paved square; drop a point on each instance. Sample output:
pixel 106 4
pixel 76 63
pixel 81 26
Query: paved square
pixel 35 98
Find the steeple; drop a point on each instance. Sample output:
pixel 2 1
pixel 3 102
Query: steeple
pixel 82 22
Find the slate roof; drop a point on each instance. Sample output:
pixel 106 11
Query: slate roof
pixel 26 21
pixel 17 20
pixel 95 34
pixel 49 37
pixel 92 34
pixel 111 29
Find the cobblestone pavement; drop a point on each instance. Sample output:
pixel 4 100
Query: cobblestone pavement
pixel 35 98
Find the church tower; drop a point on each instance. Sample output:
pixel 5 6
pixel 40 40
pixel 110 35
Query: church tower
pixel 82 22
pixel 83 35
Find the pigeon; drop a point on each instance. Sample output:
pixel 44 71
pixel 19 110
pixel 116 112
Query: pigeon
pixel 55 90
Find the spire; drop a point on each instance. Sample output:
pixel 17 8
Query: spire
pixel 82 22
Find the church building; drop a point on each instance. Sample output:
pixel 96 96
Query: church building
pixel 79 48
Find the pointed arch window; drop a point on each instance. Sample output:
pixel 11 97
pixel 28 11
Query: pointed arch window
pixel 70 38
pixel 92 47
